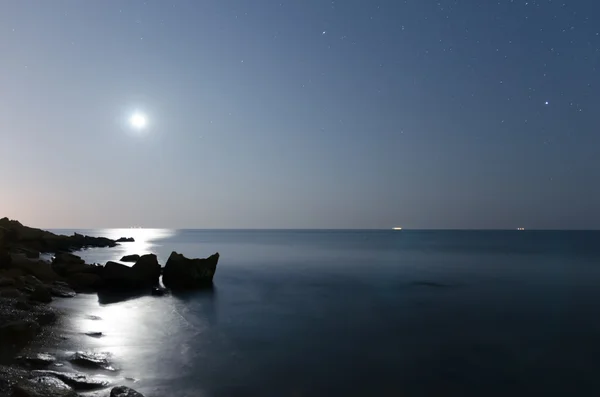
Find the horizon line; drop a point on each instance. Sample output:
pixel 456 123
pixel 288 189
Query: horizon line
pixel 318 229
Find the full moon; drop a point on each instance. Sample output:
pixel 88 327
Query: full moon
pixel 138 121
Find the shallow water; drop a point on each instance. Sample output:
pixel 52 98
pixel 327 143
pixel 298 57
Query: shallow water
pixel 355 313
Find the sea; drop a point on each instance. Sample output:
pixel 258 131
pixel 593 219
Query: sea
pixel 354 313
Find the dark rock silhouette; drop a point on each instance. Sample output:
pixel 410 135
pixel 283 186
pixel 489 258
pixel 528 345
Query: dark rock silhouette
pixel 125 240
pixel 130 258
pixel 17 237
pixel 147 269
pixel 122 391
pixel 183 273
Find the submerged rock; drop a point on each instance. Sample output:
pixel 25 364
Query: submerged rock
pixel 126 240
pixel 183 273
pixel 76 380
pixel 130 258
pixel 43 386
pixel 92 360
pixel 94 334
pixel 123 391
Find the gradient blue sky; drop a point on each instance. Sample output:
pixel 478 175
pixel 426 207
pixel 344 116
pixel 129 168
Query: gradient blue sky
pixel 301 114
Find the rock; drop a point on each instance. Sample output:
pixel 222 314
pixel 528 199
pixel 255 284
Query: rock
pixel 183 273
pixel 126 240
pixel 10 293
pixel 144 273
pixel 66 264
pixel 82 282
pixel 130 258
pixel 92 360
pixel 147 269
pixel 18 332
pixel 14 273
pixel 37 268
pixel 94 334
pixel 116 275
pixel 28 238
pixel 5 258
pixel 61 290
pixel 41 294
pixel 76 380
pixel 6 282
pixel 123 391
pixel 43 386
pixel 39 360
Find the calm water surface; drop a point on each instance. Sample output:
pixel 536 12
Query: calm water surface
pixel 357 313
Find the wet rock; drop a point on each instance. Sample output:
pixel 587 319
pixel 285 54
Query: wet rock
pixel 76 380
pixel 183 273
pixel 147 269
pixel 123 391
pixel 40 360
pixel 61 290
pixel 92 360
pixel 94 334
pixel 94 318
pixel 43 386
pixel 130 258
pixel 126 240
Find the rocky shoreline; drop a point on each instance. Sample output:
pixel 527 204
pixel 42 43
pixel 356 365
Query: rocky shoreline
pixel 28 283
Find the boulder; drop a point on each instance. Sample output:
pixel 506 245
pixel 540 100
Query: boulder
pixel 83 282
pixel 6 282
pixel 123 391
pixel 66 264
pixel 92 360
pixel 43 386
pixel 76 380
pixel 37 268
pixel 116 275
pixel 126 240
pixel 183 273
pixel 40 360
pixel 40 294
pixel 145 273
pixel 147 269
pixel 130 258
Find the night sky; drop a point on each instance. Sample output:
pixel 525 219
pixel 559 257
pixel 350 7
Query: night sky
pixel 301 114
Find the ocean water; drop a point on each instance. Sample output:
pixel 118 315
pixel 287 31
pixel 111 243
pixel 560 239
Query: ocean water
pixel 356 313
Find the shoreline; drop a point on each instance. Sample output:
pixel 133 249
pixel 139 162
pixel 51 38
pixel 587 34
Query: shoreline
pixel 31 326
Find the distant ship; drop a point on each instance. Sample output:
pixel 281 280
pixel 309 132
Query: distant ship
pixel 520 228
pixel 397 228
